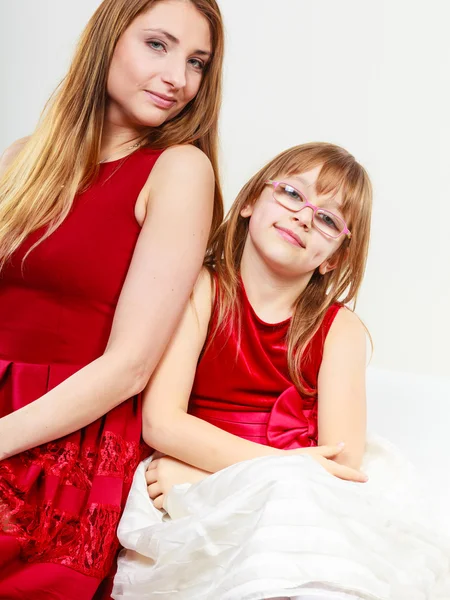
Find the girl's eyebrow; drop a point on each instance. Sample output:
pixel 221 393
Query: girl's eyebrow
pixel 175 40
pixel 327 201
pixel 332 201
pixel 301 179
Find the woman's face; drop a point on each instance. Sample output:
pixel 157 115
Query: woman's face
pixel 158 64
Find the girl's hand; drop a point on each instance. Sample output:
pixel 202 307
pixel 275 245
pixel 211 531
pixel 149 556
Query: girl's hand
pixel 165 472
pixel 326 455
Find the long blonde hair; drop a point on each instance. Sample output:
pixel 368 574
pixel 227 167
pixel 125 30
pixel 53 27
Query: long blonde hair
pixel 61 157
pixel 339 172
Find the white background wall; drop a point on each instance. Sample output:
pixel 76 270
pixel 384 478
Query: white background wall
pixel 373 76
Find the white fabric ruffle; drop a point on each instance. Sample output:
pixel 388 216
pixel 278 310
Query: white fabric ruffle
pixel 278 526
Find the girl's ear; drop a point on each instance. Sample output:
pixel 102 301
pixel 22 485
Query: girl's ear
pixel 327 265
pixel 246 211
pixel 332 262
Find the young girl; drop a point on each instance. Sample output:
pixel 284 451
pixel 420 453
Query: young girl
pixel 280 381
pixel 121 165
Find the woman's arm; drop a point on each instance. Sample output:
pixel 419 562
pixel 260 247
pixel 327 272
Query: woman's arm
pixel 341 388
pixel 165 265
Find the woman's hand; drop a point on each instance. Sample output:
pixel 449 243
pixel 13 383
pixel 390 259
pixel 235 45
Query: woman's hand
pixel 165 472
pixel 325 456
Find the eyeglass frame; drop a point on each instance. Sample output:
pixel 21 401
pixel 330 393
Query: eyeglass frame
pixel 314 208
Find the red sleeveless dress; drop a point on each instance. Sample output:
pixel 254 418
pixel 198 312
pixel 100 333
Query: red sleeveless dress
pixel 243 385
pixel 60 503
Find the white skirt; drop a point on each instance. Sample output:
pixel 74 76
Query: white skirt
pixel 284 527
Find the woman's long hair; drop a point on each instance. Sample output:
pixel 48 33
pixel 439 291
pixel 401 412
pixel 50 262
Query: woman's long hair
pixel 339 172
pixel 61 157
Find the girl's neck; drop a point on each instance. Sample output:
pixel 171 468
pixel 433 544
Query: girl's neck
pixel 271 295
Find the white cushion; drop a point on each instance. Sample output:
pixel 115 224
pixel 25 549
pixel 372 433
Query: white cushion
pixel 413 412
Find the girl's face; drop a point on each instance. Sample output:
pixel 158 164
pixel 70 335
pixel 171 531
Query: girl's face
pixel 158 64
pixel 287 241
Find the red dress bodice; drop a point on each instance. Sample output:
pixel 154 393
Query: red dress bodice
pixel 62 501
pixel 243 386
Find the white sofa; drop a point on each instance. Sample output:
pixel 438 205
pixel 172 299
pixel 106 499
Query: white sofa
pixel 413 412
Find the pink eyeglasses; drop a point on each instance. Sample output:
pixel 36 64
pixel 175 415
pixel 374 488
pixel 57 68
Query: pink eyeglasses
pixel 325 221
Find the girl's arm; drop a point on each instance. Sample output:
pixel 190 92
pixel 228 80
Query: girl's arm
pixel 165 265
pixel 168 427
pixel 341 388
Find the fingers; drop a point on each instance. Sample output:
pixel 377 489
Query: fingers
pixel 154 490
pixel 328 451
pixel 151 475
pixel 154 487
pixel 347 473
pixel 153 464
pixel 159 502
pixel 156 495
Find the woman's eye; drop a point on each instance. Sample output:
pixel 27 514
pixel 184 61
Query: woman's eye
pixel 197 64
pixel 155 45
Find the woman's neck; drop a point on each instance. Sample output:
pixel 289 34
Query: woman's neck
pixel 117 138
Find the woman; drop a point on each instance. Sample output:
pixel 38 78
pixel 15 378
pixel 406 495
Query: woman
pixel 96 209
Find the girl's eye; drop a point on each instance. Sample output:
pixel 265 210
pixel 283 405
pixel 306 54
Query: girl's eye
pixel 155 45
pixel 291 192
pixel 197 64
pixel 328 220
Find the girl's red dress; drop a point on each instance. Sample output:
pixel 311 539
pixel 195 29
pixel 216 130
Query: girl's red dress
pixel 242 383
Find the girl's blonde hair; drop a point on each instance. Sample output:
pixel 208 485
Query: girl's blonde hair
pixel 61 157
pixel 339 172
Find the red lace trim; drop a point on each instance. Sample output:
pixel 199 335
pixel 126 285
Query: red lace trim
pixel 85 541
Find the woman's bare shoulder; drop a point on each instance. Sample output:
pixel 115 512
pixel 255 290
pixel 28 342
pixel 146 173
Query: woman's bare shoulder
pixel 11 152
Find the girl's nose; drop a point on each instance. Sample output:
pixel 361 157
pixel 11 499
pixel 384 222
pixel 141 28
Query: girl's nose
pixel 304 217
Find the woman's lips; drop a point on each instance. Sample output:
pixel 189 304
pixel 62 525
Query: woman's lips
pixel 160 100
